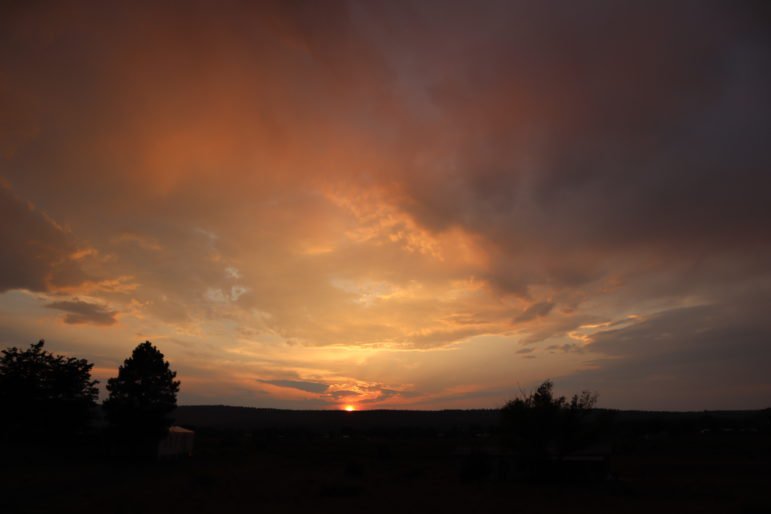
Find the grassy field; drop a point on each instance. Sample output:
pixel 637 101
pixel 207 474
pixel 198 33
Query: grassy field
pixel 369 470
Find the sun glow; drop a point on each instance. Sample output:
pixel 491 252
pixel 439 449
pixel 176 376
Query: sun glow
pixel 349 408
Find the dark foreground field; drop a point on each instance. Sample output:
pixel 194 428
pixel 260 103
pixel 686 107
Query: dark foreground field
pixel 261 462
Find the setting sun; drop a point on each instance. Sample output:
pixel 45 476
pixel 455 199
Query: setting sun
pixel 349 408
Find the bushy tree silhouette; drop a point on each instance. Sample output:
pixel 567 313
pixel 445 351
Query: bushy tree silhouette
pixel 539 425
pixel 40 390
pixel 142 396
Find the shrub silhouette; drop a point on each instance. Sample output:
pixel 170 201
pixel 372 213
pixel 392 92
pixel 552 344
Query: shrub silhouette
pixel 141 397
pixel 40 390
pixel 539 426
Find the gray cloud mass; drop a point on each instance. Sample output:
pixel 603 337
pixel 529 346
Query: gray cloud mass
pixel 308 387
pixel 78 312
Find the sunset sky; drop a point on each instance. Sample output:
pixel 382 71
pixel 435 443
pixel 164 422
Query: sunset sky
pixel 392 204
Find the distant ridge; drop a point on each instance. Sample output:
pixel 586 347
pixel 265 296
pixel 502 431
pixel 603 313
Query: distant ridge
pixel 481 420
pixel 223 416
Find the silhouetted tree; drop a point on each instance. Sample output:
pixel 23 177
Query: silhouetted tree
pixel 40 391
pixel 142 396
pixel 539 424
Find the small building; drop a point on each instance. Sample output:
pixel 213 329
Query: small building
pixel 178 443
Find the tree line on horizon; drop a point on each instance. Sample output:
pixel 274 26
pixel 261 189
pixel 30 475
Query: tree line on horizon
pixel 48 398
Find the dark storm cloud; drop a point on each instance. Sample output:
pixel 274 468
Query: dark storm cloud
pixel 592 130
pixel 565 348
pixel 337 395
pixel 35 251
pixel 308 387
pixel 689 358
pixel 79 312
pixel 384 394
pixel 536 310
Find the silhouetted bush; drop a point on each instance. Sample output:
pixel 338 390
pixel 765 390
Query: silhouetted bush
pixel 141 397
pixel 540 426
pixel 44 397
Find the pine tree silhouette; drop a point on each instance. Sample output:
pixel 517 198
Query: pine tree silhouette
pixel 142 396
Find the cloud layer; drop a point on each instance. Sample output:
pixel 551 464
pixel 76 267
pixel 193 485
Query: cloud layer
pixel 421 204
pixel 78 312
